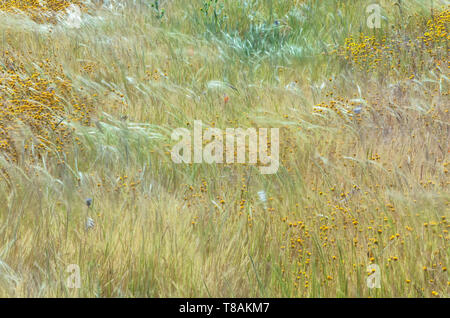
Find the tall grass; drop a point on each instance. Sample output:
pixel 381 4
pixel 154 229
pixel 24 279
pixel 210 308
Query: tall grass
pixel 352 189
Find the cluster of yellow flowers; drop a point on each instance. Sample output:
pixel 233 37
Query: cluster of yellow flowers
pixel 41 11
pixel 320 235
pixel 437 29
pixel 398 53
pixel 33 107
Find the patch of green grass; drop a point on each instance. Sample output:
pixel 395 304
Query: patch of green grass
pixel 353 188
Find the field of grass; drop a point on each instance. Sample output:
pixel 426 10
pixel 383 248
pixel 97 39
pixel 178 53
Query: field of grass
pixel 87 111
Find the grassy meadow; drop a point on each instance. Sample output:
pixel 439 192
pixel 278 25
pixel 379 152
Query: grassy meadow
pixel 87 111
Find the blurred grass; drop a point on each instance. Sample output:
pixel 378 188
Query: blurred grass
pixel 350 191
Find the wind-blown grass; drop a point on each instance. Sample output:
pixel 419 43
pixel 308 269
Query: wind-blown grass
pixel 363 177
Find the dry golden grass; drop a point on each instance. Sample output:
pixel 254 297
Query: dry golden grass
pixel 364 132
